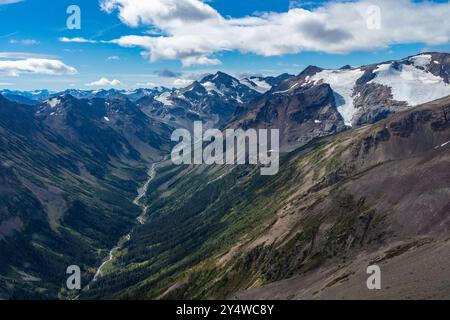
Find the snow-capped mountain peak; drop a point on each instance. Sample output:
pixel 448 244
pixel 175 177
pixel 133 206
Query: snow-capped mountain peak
pixel 366 93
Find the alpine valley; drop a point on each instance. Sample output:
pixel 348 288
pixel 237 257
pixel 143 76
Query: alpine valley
pixel 86 179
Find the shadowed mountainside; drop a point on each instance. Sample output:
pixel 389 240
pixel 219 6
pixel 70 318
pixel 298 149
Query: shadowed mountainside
pixel 68 178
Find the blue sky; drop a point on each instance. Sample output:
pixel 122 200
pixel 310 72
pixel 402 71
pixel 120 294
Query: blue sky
pixel 34 28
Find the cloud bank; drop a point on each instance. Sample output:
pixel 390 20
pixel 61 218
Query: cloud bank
pixel 193 32
pixel 26 55
pixel 14 68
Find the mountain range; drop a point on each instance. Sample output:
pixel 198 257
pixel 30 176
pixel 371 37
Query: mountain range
pixel 363 180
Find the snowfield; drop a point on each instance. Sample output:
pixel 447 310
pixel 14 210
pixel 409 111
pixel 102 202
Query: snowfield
pixel 343 83
pixel 422 60
pixel 410 84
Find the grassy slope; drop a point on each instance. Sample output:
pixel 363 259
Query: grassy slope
pixel 78 234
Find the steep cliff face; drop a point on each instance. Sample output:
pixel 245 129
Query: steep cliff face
pixel 300 113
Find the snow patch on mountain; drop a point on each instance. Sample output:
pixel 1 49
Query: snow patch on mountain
pixel 164 99
pixel 36 93
pixel 410 84
pixel 53 102
pixel 422 60
pixel 342 82
pixel 442 145
pixel 257 84
pixel 295 85
pixel 211 87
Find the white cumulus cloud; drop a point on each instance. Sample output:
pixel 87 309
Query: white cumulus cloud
pixel 37 66
pixel 76 40
pixel 105 82
pixel 192 31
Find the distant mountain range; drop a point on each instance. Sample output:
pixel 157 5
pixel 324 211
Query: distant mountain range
pixel 38 96
pixel 360 95
pixel 222 80
pixel 363 178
